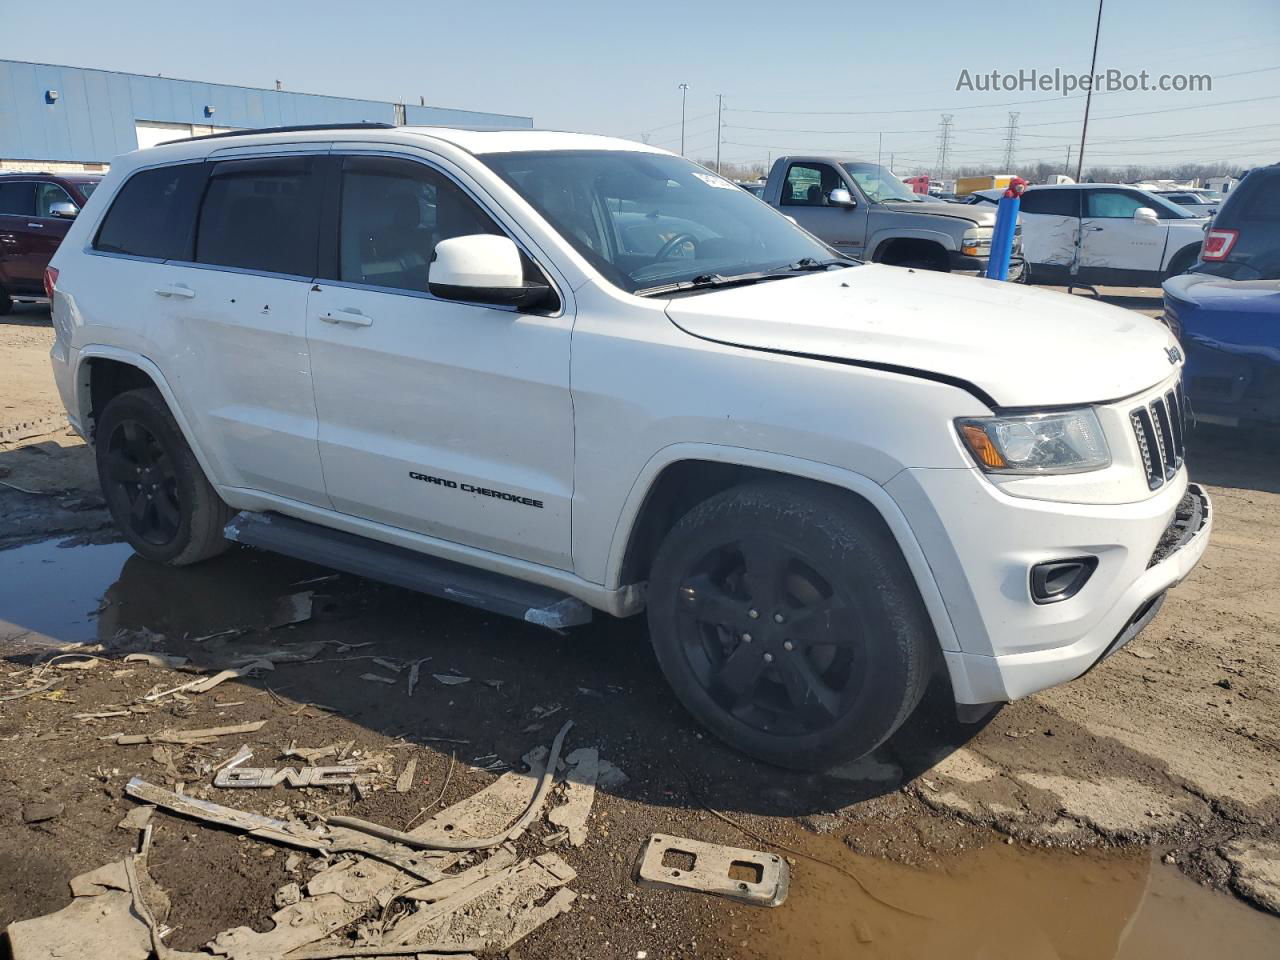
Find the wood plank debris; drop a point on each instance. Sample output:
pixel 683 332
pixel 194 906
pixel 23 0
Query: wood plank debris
pixel 404 783
pixel 579 794
pixel 713 870
pixel 205 735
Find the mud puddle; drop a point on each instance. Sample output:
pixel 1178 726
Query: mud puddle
pixel 1003 901
pixel 52 594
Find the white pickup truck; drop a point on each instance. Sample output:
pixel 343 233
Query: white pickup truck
pixel 551 374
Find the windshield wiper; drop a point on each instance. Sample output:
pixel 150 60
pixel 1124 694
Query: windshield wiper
pixel 810 263
pixel 708 281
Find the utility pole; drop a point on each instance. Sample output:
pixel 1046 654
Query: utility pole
pixel 880 149
pixel 1010 141
pixel 684 93
pixel 1067 168
pixel 1088 100
pixel 719 111
pixel 944 145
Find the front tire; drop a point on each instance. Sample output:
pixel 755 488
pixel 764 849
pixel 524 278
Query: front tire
pixel 788 624
pixel 154 487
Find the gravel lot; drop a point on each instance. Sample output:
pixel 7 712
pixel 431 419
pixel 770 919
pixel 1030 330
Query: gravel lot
pixel 1135 797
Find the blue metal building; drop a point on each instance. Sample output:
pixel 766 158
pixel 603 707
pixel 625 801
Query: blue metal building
pixel 72 117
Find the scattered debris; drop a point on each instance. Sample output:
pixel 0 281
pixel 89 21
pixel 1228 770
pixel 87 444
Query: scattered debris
pixel 137 818
pixel 100 922
pixel 185 736
pixel 610 777
pixel 164 660
pixel 204 684
pixel 243 755
pixel 267 777
pixel 451 679
pixel 404 783
pixel 747 875
pixel 533 808
pixel 42 811
pixel 312 754
pixel 288 895
pixel 392 665
pixel 580 792
pixel 295 608
pixel 413 673
pixel 377 677
pixel 101 715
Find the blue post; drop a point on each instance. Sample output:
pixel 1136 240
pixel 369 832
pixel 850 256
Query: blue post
pixel 1002 235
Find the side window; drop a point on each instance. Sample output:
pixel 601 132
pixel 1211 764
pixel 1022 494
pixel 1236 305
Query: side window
pixel 393 213
pixel 1113 204
pixel 18 198
pixel 1054 203
pixel 152 215
pixel 261 214
pixel 47 194
pixel 808 186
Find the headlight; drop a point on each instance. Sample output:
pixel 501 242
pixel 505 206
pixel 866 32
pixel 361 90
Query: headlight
pixel 1067 442
pixel 976 241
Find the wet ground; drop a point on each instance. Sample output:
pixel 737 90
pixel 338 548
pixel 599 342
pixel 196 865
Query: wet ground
pixel 1131 814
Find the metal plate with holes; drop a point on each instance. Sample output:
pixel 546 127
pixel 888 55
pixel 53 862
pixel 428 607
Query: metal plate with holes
pixel 746 875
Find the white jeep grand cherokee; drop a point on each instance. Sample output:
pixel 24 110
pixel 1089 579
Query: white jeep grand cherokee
pixel 547 372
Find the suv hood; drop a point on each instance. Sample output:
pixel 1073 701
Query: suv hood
pixel 957 211
pixel 1019 346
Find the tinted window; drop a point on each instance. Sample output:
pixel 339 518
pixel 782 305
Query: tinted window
pixel 394 212
pixel 153 214
pixel 261 215
pixel 47 194
pixel 1258 198
pixel 87 187
pixel 808 186
pixel 18 199
pixel 1055 203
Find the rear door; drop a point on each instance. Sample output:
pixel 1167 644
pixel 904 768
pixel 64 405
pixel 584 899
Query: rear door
pixel 233 315
pixel 17 223
pixel 1050 222
pixel 1116 248
pixel 444 418
pixel 806 189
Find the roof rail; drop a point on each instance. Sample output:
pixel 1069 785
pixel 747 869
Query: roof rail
pixel 301 128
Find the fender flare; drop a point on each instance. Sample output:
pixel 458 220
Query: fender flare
pixel 102 351
pixel 786 465
pixel 886 234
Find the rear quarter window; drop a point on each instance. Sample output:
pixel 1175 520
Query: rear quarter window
pixel 1055 203
pixel 1257 200
pixel 153 214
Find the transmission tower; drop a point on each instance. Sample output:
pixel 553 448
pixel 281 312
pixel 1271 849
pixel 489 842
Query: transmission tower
pixel 944 145
pixel 1010 142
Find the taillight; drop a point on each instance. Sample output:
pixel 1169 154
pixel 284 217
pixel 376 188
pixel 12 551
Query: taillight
pixel 50 281
pixel 1218 244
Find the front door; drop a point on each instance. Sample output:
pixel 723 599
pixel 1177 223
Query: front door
pixel 806 192
pixel 1116 248
pixel 444 418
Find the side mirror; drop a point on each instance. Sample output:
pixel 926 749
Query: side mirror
pixel 840 197
pixel 483 268
pixel 1145 215
pixel 64 209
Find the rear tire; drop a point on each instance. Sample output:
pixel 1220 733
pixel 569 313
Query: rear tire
pixel 154 487
pixel 1182 261
pixel 787 623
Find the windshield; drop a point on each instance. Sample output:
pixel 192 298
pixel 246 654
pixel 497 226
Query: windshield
pixel 880 184
pixel 1165 210
pixel 646 220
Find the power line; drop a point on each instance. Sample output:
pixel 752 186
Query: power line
pixel 1010 140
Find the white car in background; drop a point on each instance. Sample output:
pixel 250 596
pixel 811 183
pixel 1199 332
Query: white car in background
pixel 1200 203
pixel 1106 234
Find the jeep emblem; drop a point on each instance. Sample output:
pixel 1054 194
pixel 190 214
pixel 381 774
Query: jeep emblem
pixel 1174 354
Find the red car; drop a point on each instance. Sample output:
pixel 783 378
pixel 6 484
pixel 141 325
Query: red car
pixel 36 209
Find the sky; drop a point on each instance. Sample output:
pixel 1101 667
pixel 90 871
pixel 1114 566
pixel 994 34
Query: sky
pixel 867 80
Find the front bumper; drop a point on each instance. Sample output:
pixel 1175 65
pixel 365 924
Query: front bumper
pixel 977 266
pixel 982 543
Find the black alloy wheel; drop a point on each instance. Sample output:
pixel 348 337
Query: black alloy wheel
pixel 770 638
pixel 143 474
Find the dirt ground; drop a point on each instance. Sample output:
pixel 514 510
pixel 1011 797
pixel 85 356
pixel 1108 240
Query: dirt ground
pixel 1132 813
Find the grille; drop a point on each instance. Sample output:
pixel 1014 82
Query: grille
pixel 1160 429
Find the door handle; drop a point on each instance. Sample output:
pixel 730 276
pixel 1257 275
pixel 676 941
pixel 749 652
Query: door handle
pixel 179 290
pixel 38 226
pixel 1096 229
pixel 349 316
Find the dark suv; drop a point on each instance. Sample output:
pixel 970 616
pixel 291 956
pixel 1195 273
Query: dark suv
pixel 1243 242
pixel 36 209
